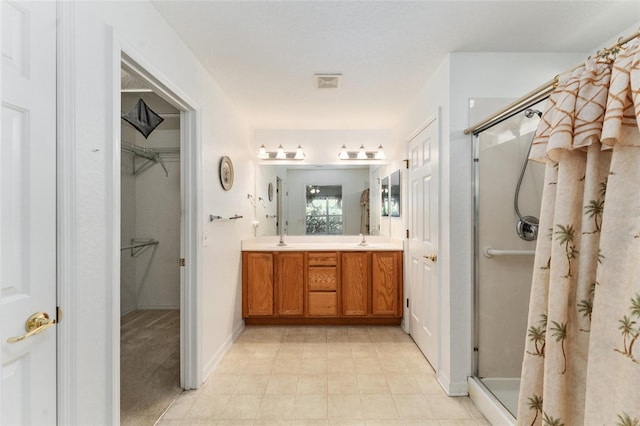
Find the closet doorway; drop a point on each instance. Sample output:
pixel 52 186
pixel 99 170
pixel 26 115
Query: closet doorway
pixel 154 286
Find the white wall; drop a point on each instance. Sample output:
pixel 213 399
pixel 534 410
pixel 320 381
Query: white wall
pixel 432 99
pixel 478 75
pixel 460 77
pixel 150 208
pixel 97 28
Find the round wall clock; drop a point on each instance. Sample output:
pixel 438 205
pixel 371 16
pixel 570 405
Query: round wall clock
pixel 270 191
pixel 226 173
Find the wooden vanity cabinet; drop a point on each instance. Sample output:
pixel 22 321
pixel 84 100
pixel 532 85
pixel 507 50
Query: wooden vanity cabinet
pixel 257 284
pixel 289 276
pixel 322 284
pixel 272 284
pixel 386 283
pixel 355 283
pixel 349 287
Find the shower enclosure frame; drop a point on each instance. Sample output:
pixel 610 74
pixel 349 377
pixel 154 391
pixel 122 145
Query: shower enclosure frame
pixel 497 407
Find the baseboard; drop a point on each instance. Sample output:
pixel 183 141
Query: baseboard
pixel 152 307
pixel 217 357
pixel 237 330
pixel 452 388
pixel 127 311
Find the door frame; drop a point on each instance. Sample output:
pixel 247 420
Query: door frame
pixel 190 184
pixel 67 204
pixel 435 116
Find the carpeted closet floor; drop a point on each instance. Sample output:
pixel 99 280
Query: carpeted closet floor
pixel 149 365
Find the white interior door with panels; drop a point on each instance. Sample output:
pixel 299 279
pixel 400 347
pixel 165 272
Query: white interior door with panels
pixel 28 213
pixel 423 239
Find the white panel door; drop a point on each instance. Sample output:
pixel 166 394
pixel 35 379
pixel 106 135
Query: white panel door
pixel 28 211
pixel 423 241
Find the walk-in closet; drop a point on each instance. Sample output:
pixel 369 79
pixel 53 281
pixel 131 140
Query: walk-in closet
pixel 150 253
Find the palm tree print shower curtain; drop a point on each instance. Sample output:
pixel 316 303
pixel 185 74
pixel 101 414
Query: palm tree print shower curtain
pixel 582 356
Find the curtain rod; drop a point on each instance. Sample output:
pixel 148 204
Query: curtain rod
pixel 536 95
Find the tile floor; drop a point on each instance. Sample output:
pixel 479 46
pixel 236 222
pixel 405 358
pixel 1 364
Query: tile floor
pixel 322 376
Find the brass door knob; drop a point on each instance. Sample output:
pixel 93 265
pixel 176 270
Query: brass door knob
pixel 35 324
pixel 432 257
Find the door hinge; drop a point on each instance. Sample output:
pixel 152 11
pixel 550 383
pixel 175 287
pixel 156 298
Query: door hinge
pixel 407 302
pixel 182 262
pixel 407 233
pixel 58 314
pixel 406 164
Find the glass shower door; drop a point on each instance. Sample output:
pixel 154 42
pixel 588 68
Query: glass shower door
pixel 504 261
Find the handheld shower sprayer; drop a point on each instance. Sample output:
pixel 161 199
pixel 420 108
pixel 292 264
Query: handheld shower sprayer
pixel 527 226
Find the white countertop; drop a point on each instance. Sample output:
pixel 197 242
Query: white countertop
pixel 322 243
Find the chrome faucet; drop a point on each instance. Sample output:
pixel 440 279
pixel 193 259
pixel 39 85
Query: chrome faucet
pixel 281 242
pixel 363 241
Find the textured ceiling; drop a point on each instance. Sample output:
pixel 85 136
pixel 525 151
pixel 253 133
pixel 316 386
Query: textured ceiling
pixel 265 54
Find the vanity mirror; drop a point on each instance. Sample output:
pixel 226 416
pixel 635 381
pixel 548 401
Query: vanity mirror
pixel 318 200
pixel 394 194
pixel 384 190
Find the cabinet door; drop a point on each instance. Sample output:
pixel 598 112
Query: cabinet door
pixel 290 283
pixel 385 283
pixel 355 283
pixel 258 283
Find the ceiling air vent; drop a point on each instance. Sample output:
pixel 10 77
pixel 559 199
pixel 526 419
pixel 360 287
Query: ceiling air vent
pixel 328 81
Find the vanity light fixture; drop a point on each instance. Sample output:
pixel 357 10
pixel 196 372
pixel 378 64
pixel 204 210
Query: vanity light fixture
pixel 280 154
pixel 344 155
pixel 361 154
pixel 262 153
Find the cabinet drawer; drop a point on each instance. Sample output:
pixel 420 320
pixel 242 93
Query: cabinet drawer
pixel 323 259
pixel 323 304
pixel 323 278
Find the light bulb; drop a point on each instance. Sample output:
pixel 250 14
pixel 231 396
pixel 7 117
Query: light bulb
pixel 344 155
pixel 280 155
pixel 380 154
pixel 362 155
pixel 262 153
pixel 299 153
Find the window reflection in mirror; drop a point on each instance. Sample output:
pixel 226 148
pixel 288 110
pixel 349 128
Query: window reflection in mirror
pixel 323 210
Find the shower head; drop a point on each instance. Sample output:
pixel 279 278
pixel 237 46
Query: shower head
pixel 531 112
